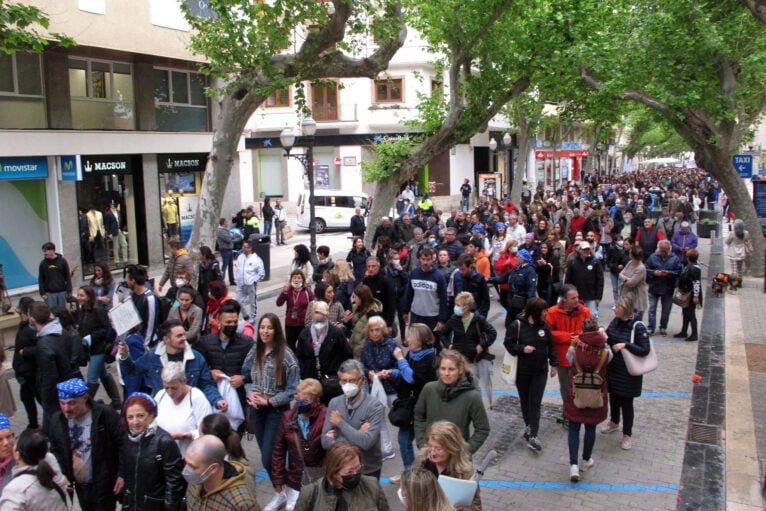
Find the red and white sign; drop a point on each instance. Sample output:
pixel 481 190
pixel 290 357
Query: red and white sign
pixel 337 162
pixel 542 155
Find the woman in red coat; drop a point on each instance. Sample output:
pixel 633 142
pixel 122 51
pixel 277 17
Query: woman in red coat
pixel 299 441
pixel 297 295
pixel 589 353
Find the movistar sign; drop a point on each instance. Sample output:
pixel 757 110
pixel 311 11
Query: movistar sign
pixel 32 167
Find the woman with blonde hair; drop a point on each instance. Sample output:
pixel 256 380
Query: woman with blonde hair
pixel 446 453
pixel 454 398
pixel 342 279
pixel 421 491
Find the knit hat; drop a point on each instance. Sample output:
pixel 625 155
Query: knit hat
pixel 71 389
pixel 5 423
pixel 525 255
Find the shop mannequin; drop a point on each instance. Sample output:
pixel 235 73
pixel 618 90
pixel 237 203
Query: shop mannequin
pixel 95 230
pixel 170 217
pixel 114 222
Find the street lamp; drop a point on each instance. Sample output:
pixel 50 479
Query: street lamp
pixel 507 139
pixel 288 139
pixel 492 144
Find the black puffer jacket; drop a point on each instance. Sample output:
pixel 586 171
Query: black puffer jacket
pixel 229 360
pixel 520 334
pixel 465 341
pixel 152 470
pixel 107 437
pixel 94 322
pixel 24 364
pixel 621 382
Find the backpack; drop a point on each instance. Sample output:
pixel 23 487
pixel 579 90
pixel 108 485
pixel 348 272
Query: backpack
pixel 588 386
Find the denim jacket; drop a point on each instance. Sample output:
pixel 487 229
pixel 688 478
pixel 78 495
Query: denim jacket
pixel 266 382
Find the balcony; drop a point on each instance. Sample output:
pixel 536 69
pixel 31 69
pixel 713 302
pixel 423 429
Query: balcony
pixel 344 112
pixel 328 116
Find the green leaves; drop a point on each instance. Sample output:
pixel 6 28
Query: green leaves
pixel 18 31
pixel 389 156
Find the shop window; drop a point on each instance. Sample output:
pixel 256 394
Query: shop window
pixel 388 90
pixel 101 94
pixel 180 101
pixel 280 98
pixel 22 104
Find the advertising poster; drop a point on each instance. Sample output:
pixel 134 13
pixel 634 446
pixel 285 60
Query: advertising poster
pixel 187 208
pixel 322 177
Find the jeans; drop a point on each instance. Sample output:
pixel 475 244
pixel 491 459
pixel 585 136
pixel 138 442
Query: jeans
pixel 406 436
pixel 56 299
pixel 615 285
pixel 278 232
pixel 96 369
pixel 266 421
pixel 667 304
pixel 593 307
pixel 531 388
pixel 617 403
pixel 563 374
pixel 248 300
pixel 267 227
pixel 227 256
pixel 574 441
pixel 464 203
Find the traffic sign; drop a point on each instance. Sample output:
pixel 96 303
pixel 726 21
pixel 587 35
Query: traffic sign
pixel 743 163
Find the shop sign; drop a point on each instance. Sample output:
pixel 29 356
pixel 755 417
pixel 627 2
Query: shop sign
pixel 70 168
pixel 186 162
pixel 542 155
pixel 106 164
pixel 349 161
pixel 28 167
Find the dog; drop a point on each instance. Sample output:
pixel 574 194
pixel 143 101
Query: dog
pixel 720 282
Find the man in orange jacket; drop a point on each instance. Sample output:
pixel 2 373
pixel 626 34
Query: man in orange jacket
pixel 565 322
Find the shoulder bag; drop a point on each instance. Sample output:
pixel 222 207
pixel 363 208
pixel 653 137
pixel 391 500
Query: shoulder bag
pixel 682 298
pixel 510 362
pixel 636 365
pixel 588 386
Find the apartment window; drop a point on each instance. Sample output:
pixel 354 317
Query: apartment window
pixel 388 90
pixel 437 86
pixel 280 98
pixel 180 101
pixel 22 104
pixel 101 94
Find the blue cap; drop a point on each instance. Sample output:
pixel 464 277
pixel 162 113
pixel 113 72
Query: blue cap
pixel 478 228
pixel 145 396
pixel 525 255
pixel 71 389
pixel 500 225
pixel 5 423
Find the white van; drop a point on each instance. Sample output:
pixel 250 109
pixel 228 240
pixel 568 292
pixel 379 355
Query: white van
pixel 334 208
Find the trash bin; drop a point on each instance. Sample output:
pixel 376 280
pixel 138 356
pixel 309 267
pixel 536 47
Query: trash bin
pixel 261 244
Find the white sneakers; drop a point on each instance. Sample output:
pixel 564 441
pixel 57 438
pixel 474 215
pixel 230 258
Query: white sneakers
pixel 292 498
pixel 586 464
pixel 626 443
pixel 610 428
pixel 574 473
pixel 287 498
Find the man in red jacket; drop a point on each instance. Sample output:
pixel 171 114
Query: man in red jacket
pixel 565 322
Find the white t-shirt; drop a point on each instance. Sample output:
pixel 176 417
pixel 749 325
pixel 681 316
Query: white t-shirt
pixel 183 417
pixel 82 447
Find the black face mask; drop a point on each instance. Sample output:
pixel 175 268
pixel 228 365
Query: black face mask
pixel 229 331
pixel 351 481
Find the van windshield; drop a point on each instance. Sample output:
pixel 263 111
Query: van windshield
pixel 360 202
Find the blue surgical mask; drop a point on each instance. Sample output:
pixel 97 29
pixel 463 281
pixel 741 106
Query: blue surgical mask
pixel 302 406
pixel 458 310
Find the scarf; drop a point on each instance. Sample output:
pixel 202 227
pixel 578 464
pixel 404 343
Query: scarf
pixel 150 430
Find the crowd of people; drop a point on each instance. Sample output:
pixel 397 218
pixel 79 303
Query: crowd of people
pixel 394 336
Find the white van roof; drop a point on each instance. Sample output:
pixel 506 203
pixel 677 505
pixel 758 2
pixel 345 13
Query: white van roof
pixel 320 192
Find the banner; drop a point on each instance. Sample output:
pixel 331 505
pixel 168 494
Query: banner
pixel 187 208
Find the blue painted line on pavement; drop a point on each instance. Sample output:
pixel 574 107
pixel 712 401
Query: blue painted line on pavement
pixel 500 340
pixel 545 485
pixel 557 393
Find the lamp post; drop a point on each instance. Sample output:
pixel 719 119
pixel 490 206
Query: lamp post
pixel 287 138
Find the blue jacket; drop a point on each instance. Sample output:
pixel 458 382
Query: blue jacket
pixel 522 280
pixel 377 356
pixel 666 284
pixel 150 364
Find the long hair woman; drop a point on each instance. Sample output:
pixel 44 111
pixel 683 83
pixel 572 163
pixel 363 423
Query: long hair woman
pixel 275 375
pixel 302 260
pixel 365 305
pixel 357 257
pixel 296 294
pixel 420 491
pixel 103 284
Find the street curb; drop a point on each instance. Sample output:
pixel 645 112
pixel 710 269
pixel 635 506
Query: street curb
pixel 703 476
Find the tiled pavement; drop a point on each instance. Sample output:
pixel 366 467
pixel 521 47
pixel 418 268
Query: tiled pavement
pixel 645 478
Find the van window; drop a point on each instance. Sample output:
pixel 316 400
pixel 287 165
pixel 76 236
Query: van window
pixel 360 202
pixel 344 202
pixel 321 200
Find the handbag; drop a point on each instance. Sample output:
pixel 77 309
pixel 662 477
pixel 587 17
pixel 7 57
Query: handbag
pixel 636 365
pixel 511 363
pixel 402 412
pixel 682 298
pixel 588 386
pixel 287 233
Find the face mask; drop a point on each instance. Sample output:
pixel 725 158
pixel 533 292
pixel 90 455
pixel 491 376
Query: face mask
pixel 319 325
pixel 350 389
pixel 180 282
pixel 620 244
pixel 351 481
pixel 396 262
pixel 401 497
pixel 302 406
pixel 229 331
pixel 514 250
pixel 193 477
pixel 296 285
pixel 458 310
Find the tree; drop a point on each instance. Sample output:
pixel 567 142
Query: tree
pixel 700 66
pixel 246 46
pixel 18 32
pixel 490 51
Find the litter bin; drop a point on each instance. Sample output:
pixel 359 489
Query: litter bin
pixel 261 244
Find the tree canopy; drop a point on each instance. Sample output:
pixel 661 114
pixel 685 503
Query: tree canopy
pixel 19 29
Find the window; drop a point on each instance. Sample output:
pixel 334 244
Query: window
pixel 22 104
pixel 388 90
pixel 437 87
pixel 280 98
pixel 102 94
pixel 180 101
pixel 344 202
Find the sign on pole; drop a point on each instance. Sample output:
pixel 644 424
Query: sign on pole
pixel 743 163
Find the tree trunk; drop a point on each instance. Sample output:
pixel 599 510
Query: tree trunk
pixel 233 116
pixel 386 191
pixel 718 163
pixel 520 173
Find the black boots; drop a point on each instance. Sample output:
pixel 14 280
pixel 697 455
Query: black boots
pixel 112 391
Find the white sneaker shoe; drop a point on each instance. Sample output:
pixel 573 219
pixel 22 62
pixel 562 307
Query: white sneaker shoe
pixel 292 498
pixel 586 464
pixel 276 503
pixel 574 473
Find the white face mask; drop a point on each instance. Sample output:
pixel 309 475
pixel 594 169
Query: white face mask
pixel 319 325
pixel 350 389
pixel 396 262
pixel 180 282
pixel 296 285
